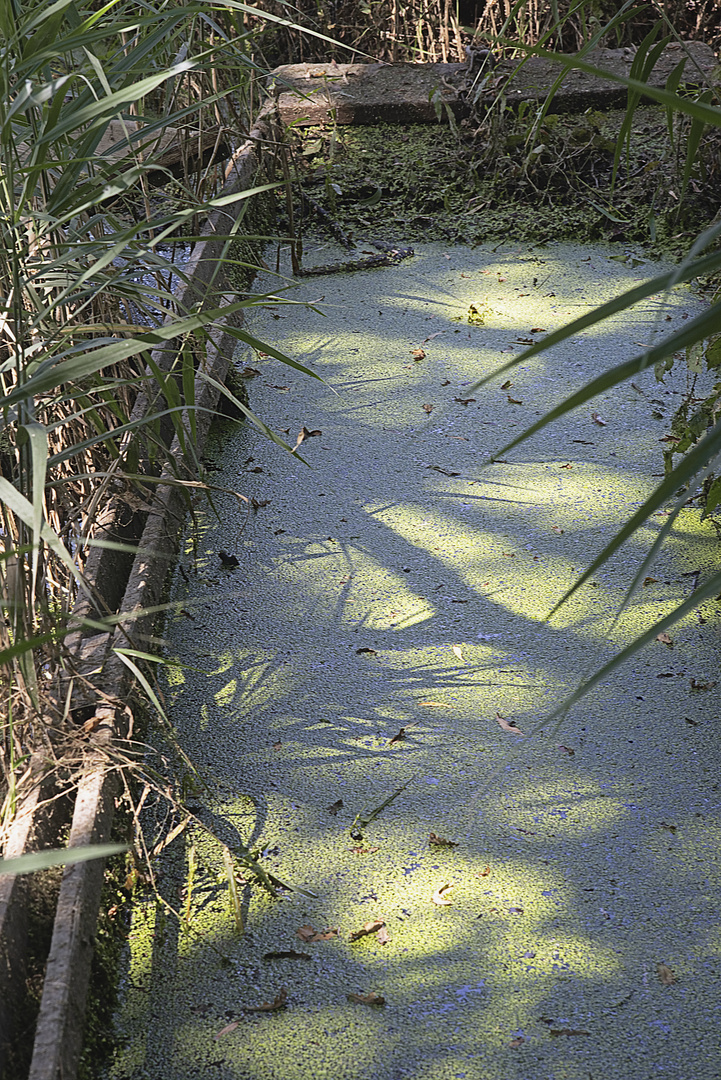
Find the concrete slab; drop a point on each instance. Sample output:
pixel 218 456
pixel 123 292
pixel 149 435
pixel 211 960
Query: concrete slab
pixel 378 93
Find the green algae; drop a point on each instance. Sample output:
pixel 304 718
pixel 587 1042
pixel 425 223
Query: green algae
pixel 577 866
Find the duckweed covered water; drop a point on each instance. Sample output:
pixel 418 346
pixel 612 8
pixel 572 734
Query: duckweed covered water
pixel 388 607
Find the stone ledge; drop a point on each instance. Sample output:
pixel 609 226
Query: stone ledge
pixel 378 93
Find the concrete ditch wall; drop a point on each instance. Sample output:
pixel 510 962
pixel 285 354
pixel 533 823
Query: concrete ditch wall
pixel 134 588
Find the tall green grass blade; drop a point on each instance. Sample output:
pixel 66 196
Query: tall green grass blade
pixel 44 860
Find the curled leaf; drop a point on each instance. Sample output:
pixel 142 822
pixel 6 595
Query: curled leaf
pixel 227 1029
pixel 369 928
pixel 516 1042
pixel 598 419
pixel 664 638
pixel 440 899
pixel 457 652
pixel 309 934
pixel 508 725
pixel 440 841
pixel 666 975
pixel 428 409
pixel 418 354
pixel 367 999
pixel 513 400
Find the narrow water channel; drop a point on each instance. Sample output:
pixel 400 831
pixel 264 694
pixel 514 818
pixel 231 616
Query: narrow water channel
pixel 388 607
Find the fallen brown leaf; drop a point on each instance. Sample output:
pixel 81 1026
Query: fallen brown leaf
pixel 516 1042
pixel 428 409
pixel 445 472
pixel 458 652
pixel 664 638
pixel 506 384
pixel 508 725
pixel 484 872
pixel 335 807
pixel 367 999
pixel 557 529
pixel 418 354
pixel 567 750
pixel 309 934
pixel 650 580
pixel 277 1003
pixel 364 850
pixel 304 434
pixel 464 401
pixel 513 400
pixel 666 975
pixel 398 738
pixel 671 828
pixel 446 382
pixel 598 419
pixel 697 684
pixel 369 928
pixel 365 649
pixel 567 465
pixel 440 899
pixel 440 841
pixel 248 373
pixel 538 330
pixel 227 1029
pixel 383 936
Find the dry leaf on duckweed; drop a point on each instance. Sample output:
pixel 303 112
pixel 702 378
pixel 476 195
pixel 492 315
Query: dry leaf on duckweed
pixel 367 999
pixel 440 899
pixel 398 738
pixel 513 400
pixel 277 1003
pixel 567 750
pixel 516 1042
pixel 227 1029
pixel 369 928
pixel 418 354
pixel 671 828
pixel 666 975
pixel 440 841
pixel 557 529
pixel 568 465
pixel 650 580
pixel 365 649
pixel 446 382
pixel 508 725
pixel 458 652
pixel 428 409
pixel 309 934
pixel 664 638
pixel 434 704
pixel 335 807
pixel 556 1032
pixel 304 434
pixel 248 373
pixel 484 872
pixel 538 330
pixel 286 954
pixel 364 850
pixel 383 935
pixel 464 400
pixel 506 384
pixel 698 684
pixel 598 419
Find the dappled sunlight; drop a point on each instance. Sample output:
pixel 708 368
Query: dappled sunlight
pixel 366 696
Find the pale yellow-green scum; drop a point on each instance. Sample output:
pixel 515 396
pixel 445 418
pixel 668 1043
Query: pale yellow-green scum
pixel 586 856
